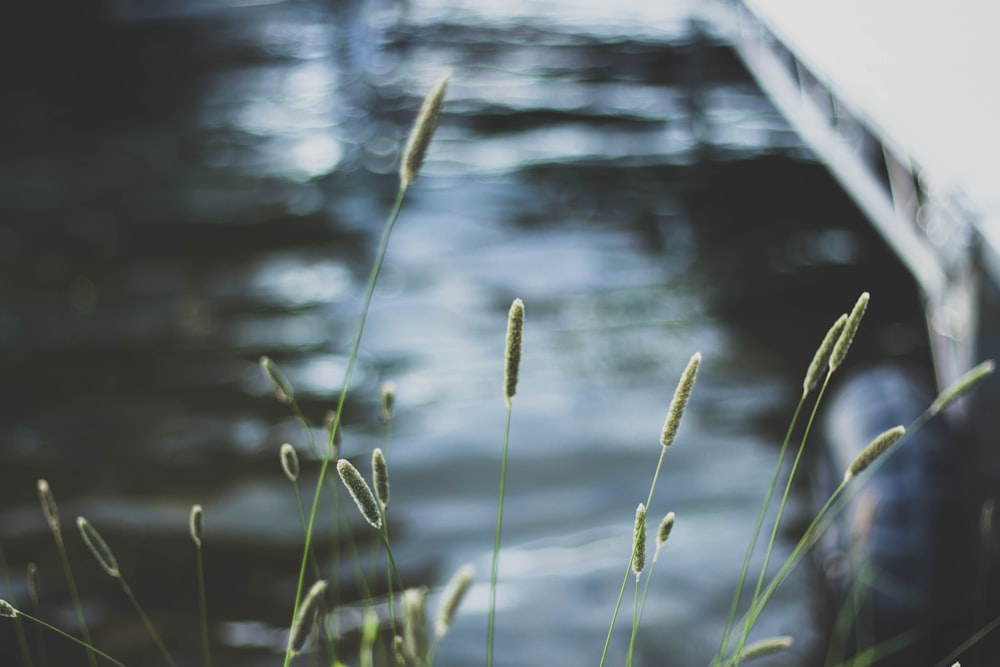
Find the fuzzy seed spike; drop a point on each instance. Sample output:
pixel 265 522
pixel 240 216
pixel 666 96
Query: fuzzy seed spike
pixel 821 360
pixel 764 647
pixel 380 476
pixel 98 547
pixel 679 401
pixel 306 617
pixel 282 387
pixel 963 384
pixel 850 329
pixel 387 401
pixel 872 451
pixel 7 610
pixel 512 352
pixel 415 624
pixel 360 492
pixel 639 541
pixel 422 133
pixel 197 523
pixel 49 507
pixel 663 533
pixel 289 462
pixel 452 598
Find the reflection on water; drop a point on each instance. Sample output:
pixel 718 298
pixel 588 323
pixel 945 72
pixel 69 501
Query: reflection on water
pixel 185 190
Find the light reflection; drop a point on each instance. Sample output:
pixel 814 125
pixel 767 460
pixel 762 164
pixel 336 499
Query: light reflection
pixel 299 281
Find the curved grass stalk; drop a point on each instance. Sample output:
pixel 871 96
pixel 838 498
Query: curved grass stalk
pixel 628 570
pixel 22 639
pixel 16 613
pixel 734 605
pixel 352 359
pixel 197 531
pixel 51 511
pixel 781 508
pixel 843 494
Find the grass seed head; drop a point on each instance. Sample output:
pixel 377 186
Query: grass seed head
pixel 282 388
pixel 289 462
pixel 98 547
pixel 850 329
pixel 422 133
pixel 764 647
pixel 49 508
pixel 197 523
pixel 360 492
pixel 872 451
pixel 7 610
pixel 512 352
pixel 961 385
pixel 821 360
pixel 452 598
pixel 415 624
pixel 306 618
pixel 387 401
pixel 679 401
pixel 639 541
pixel 380 476
pixel 663 533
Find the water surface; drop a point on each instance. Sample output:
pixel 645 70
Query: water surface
pixel 186 190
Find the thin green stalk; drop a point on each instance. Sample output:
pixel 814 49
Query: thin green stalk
pixel 835 504
pixel 628 569
pixel 781 509
pixel 89 647
pixel 206 654
pixel 635 624
pixel 146 621
pixel 352 359
pixel 36 608
pixel 873 654
pixel 734 605
pixel 51 511
pixel 496 542
pixel 75 594
pixel 971 641
pixel 22 639
pixel 807 540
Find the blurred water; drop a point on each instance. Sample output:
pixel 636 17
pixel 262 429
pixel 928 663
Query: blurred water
pixel 188 186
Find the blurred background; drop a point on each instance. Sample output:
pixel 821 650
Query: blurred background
pixel 186 185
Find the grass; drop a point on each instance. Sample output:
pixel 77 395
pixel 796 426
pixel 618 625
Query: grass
pixel 410 640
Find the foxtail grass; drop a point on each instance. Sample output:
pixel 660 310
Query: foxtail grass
pixel 512 364
pixel 106 559
pixel 451 599
pixel 671 424
pixel 829 355
pixel 845 492
pixel 305 620
pixel 413 158
pixel 22 639
pixel 51 511
pixel 7 610
pixel 638 565
pixel 415 646
pixel 387 408
pixel 197 526
pixel 765 647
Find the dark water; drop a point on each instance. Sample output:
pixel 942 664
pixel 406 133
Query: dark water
pixel 185 188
